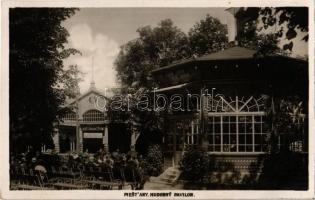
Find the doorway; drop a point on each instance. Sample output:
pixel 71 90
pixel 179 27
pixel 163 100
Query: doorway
pixel 119 137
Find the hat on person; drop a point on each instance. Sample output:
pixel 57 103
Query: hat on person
pixel 91 158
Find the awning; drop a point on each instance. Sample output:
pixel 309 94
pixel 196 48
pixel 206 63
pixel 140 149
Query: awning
pixel 175 87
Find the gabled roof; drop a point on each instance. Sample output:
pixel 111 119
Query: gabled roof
pixel 91 90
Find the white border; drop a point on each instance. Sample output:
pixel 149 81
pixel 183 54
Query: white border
pixel 84 194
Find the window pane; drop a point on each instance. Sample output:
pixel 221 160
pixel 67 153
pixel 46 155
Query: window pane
pixel 233 138
pixel 241 119
pixel 217 139
pixel 225 119
pixel 217 128
pixel 241 128
pixel 226 139
pixel 233 128
pixel 232 119
pixel 226 148
pixel 248 119
pixel 241 148
pixel 217 119
pixel 233 148
pixel 241 139
pixel 249 127
pixel 249 148
pixel 226 128
pixel 217 148
pixel 249 139
pixel 257 128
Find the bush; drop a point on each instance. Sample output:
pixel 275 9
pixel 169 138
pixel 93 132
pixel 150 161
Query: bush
pixel 194 165
pixel 153 162
pixel 285 170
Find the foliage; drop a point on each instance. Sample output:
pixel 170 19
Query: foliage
pixel 292 18
pixel 284 170
pixel 153 48
pixel 164 44
pixel 195 164
pixel 208 36
pixel 38 81
pixel 157 47
pixel 287 116
pixel 153 162
pixel 149 123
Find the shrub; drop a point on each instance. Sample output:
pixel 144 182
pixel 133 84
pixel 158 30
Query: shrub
pixel 153 162
pixel 194 165
pixel 284 170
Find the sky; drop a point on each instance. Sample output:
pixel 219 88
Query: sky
pixel 99 32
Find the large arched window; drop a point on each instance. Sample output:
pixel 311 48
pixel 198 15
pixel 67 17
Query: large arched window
pixel 69 116
pixel 93 115
pixel 233 124
pixel 237 125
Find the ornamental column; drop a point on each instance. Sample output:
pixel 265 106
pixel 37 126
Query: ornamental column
pixel 56 140
pixel 203 115
pixel 134 137
pixel 80 143
pixel 105 138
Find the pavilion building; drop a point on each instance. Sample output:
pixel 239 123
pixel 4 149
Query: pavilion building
pixel 233 99
pixel 238 93
pixel 85 126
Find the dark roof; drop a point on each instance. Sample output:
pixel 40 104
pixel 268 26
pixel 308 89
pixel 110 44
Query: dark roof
pixel 232 53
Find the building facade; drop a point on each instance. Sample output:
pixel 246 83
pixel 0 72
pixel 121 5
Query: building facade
pixel 230 102
pixel 85 127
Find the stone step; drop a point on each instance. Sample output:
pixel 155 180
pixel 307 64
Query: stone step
pixel 167 180
pixel 162 182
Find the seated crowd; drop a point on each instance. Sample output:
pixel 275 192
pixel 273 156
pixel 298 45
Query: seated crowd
pixel 103 167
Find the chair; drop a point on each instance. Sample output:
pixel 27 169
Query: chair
pixel 129 177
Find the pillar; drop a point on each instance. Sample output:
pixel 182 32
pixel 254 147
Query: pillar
pixel 174 144
pixel 133 141
pixel 134 136
pixel 80 143
pixel 56 140
pixel 203 115
pixel 105 138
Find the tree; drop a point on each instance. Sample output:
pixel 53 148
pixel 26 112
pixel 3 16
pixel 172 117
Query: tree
pixel 294 17
pixel 157 47
pixel 208 36
pixel 39 84
pixel 288 19
pixel 165 44
pixel 153 48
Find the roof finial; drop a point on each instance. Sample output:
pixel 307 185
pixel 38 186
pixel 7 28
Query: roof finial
pixel 92 79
